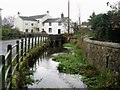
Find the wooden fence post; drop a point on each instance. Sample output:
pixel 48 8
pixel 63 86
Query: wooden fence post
pixel 38 40
pixel 9 48
pixel 32 41
pixel 2 72
pixel 41 39
pixel 35 41
pixel 28 43
pixel 17 52
pixel 21 49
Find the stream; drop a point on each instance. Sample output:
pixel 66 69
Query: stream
pixel 46 71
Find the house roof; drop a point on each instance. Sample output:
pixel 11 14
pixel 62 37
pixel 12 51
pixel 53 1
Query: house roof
pixel 32 18
pixel 51 20
pixel 56 20
pixel 27 18
pixel 38 16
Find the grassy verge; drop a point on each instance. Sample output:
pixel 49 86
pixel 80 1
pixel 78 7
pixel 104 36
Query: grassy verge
pixel 73 62
pixel 23 77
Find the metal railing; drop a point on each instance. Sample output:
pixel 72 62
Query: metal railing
pixel 9 63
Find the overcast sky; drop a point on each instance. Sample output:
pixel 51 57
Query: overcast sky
pixel 55 7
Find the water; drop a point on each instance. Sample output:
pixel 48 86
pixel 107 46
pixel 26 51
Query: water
pixel 46 71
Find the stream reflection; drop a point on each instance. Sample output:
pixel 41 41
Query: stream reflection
pixel 46 69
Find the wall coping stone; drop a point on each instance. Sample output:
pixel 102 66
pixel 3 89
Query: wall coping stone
pixel 107 44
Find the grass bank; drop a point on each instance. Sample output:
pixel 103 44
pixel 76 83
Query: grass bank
pixel 23 77
pixel 73 62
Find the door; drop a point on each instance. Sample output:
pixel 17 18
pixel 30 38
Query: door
pixel 59 31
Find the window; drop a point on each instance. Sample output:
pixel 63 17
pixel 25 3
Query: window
pixel 50 24
pixel 50 30
pixel 32 24
pixel 26 30
pixel 31 30
pixel 43 24
pixel 38 21
pixel 26 23
pixel 59 23
pixel 38 29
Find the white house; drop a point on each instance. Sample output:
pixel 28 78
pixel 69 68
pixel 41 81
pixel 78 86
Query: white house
pixel 30 23
pixel 57 25
pixel 42 23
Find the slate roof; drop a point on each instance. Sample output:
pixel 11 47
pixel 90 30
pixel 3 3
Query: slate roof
pixel 27 18
pixel 32 18
pixel 51 20
pixel 56 20
pixel 37 16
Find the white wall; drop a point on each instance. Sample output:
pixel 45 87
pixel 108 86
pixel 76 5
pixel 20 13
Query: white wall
pixel 27 25
pixel 41 20
pixel 18 23
pixel 55 28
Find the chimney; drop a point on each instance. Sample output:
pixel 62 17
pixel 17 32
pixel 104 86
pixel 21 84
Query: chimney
pixel 18 13
pixel 47 12
pixel 62 15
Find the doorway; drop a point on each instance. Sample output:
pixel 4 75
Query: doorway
pixel 59 31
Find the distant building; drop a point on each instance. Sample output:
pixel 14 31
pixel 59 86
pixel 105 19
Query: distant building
pixel 42 24
pixel 85 25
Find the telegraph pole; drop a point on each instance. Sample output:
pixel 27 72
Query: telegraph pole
pixel 68 16
pixel 79 20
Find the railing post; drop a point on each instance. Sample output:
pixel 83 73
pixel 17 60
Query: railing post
pixel 35 41
pixel 21 49
pixel 17 52
pixel 41 39
pixel 38 41
pixel 32 42
pixel 2 72
pixel 10 63
pixel 28 43
pixel 25 46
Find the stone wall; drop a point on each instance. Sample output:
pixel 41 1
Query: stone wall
pixel 104 55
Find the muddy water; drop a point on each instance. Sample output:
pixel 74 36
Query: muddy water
pixel 46 71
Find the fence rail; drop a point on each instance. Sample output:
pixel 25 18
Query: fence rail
pixel 9 63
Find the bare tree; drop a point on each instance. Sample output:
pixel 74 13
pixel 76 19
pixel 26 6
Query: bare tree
pixel 115 6
pixel 8 21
